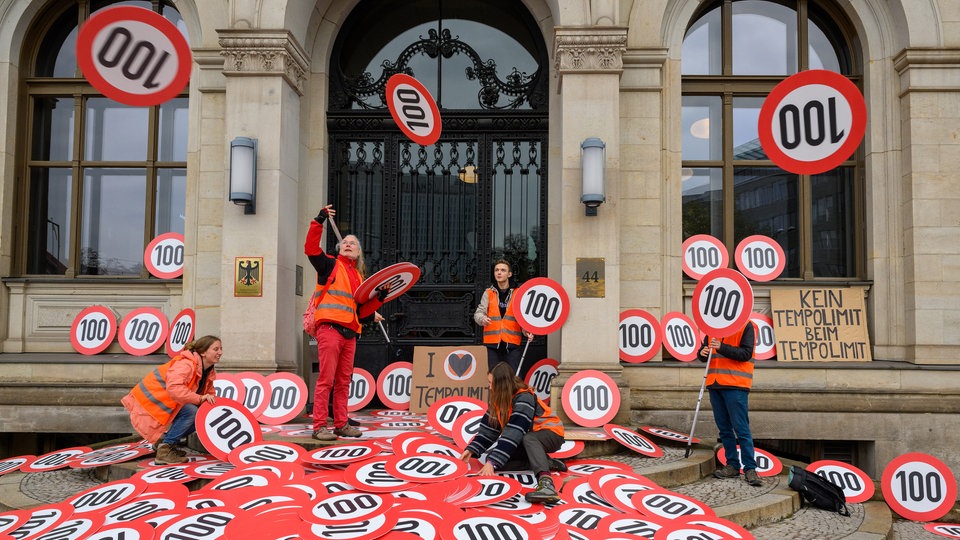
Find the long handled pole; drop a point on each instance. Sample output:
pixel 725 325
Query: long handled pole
pixel 522 356
pixel 336 231
pixel 696 412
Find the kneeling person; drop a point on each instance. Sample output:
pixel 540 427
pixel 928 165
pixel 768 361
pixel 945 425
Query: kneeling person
pixel 517 432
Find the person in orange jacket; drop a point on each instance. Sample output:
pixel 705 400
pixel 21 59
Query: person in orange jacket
pixel 337 323
pixel 501 331
pixel 517 432
pixel 163 406
pixel 729 379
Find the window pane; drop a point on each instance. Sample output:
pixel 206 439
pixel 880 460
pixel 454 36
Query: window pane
pixel 746 139
pixel 703 202
pixel 702 46
pixel 832 223
pixel 171 200
pixel 58 52
pixel 115 132
pixel 764 38
pixel 766 202
pixel 49 225
pixel 821 50
pixel 701 127
pixel 52 129
pixel 111 232
pixel 516 206
pixel 173 130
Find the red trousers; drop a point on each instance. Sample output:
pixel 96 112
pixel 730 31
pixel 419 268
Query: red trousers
pixel 335 355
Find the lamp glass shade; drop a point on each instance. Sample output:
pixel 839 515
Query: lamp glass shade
pixel 592 160
pixel 243 170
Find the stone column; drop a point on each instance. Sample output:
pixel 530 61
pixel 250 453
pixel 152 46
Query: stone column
pixel 589 63
pixel 265 72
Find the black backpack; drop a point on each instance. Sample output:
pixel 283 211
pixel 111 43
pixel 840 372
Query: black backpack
pixel 818 491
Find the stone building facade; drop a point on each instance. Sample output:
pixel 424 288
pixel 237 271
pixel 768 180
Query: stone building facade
pixel 627 72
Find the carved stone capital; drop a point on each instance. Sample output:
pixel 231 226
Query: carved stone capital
pixel 264 52
pixel 590 50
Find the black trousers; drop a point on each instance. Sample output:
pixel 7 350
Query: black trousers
pixel 532 454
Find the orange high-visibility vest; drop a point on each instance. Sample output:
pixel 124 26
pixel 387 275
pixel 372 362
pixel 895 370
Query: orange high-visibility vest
pixel 727 372
pixel 547 420
pixel 338 305
pixel 152 393
pixel 505 329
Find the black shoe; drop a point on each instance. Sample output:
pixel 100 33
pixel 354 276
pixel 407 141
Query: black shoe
pixel 352 422
pixel 545 492
pixel 557 465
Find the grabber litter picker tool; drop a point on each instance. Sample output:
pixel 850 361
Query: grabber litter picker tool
pixel 336 232
pixel 522 356
pixel 696 411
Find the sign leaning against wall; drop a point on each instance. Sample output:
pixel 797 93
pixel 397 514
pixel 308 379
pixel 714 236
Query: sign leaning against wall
pixel 820 325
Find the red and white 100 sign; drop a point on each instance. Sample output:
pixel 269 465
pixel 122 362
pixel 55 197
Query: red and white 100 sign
pixel 919 487
pixel 722 302
pixel 640 336
pixel 142 331
pixel 760 258
pixel 93 330
pixel 540 305
pixel 703 253
pixel 413 109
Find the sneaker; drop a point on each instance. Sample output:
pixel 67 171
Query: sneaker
pixel 545 492
pixel 557 465
pixel 179 450
pixel 751 478
pixel 728 471
pixel 167 455
pixel 324 434
pixel 348 431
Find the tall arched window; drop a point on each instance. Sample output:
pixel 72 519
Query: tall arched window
pixel 734 53
pixel 101 178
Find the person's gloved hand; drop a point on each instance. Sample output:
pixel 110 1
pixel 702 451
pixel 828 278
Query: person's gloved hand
pixel 322 215
pixel 382 293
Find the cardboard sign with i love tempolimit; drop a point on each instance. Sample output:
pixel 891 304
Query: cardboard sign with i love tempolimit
pixel 441 372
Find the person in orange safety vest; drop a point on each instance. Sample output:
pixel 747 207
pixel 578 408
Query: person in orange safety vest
pixel 517 432
pixel 338 318
pixel 729 379
pixel 163 405
pixel 501 331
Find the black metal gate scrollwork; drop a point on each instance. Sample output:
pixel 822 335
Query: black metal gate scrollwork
pixel 454 207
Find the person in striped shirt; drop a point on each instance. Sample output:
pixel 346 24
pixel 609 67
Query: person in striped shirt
pixel 517 432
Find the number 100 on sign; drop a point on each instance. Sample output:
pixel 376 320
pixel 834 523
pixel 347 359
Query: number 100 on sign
pixel 540 305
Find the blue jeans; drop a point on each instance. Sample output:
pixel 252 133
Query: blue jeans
pixel 182 425
pixel 730 414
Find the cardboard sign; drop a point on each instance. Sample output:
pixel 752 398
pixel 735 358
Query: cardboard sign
pixel 820 324
pixel 441 372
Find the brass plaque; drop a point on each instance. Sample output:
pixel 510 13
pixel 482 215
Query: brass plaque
pixel 248 276
pixel 590 278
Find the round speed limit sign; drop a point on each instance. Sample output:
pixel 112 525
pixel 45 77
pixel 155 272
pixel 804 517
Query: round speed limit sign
pixel 164 256
pixel 287 396
pixel 362 389
pixel 703 253
pixel 919 487
pixel 765 346
pixel 143 331
pixel 181 332
pixel 722 302
pixel 133 55
pixel 413 109
pixel 394 385
pixel 812 121
pixel 540 377
pixel 540 305
pixel 640 336
pixel 857 486
pixel 93 330
pixel 760 258
pixel 679 336
pixel 225 426
pixel 591 398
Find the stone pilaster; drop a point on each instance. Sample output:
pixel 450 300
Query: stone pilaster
pixel 589 64
pixel 264 52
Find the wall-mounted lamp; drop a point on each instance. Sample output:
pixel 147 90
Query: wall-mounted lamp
pixel 593 157
pixel 243 173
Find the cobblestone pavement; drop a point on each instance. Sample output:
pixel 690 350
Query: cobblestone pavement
pixel 806 524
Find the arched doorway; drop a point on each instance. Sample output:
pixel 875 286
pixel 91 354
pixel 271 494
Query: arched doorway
pixel 452 208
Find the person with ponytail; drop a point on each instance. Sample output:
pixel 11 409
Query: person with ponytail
pixel 163 406
pixel 517 432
